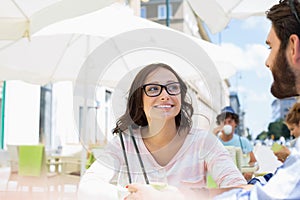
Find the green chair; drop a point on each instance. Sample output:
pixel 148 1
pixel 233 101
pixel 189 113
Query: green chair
pixel 33 171
pixel 31 160
pixel 91 159
pixel 210 182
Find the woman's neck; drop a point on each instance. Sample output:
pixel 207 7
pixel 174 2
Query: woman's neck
pixel 160 135
pixel 163 142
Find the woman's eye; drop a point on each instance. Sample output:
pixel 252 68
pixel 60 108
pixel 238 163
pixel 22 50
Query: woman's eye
pixel 173 87
pixel 154 88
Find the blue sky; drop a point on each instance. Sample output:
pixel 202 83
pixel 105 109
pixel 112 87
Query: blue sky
pixel 246 40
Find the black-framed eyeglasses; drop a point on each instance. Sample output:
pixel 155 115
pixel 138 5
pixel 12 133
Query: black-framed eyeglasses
pixel 293 9
pixel 154 90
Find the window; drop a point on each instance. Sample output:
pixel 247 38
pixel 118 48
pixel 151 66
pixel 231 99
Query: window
pixel 107 111
pixel 162 11
pixel 46 115
pixel 143 12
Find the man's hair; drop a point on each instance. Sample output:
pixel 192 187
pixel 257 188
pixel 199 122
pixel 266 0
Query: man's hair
pixel 221 117
pixel 284 20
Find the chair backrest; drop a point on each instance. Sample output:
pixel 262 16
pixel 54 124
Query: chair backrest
pixel 13 157
pixel 31 160
pixel 239 157
pixel 236 154
pixel 210 182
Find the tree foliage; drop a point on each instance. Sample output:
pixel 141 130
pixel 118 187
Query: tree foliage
pixel 276 129
pixel 262 136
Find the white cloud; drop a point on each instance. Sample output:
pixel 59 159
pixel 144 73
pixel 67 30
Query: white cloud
pixel 250 95
pixel 252 57
pixel 257 23
pixel 254 96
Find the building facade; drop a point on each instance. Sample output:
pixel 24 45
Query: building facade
pixel 280 108
pixel 235 104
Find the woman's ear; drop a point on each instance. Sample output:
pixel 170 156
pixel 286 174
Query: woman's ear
pixel 295 49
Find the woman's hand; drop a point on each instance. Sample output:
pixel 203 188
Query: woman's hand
pixel 282 154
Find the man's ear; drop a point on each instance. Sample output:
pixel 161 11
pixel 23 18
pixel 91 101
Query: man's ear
pixel 295 49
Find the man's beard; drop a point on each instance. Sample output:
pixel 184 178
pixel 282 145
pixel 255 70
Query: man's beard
pixel 284 84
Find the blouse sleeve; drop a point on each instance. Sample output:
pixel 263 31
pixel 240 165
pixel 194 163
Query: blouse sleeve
pixel 220 165
pixel 101 176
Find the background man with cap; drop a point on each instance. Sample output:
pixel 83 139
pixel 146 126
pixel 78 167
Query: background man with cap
pixel 227 121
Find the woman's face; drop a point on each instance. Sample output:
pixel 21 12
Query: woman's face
pixel 294 129
pixel 164 106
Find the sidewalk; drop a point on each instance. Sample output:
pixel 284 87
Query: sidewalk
pixel 14 187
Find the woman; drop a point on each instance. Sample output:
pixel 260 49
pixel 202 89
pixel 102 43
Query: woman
pixel 292 120
pixel 156 132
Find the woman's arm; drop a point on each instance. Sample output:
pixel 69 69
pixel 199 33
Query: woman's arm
pixel 94 184
pixel 221 165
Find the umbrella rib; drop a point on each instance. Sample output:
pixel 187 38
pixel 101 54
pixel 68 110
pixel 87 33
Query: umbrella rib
pixel 27 31
pixel 20 9
pixel 122 58
pixel 70 42
pixel 233 7
pixel 9 44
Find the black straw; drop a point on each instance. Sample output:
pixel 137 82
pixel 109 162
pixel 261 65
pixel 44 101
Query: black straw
pixel 139 156
pixel 125 156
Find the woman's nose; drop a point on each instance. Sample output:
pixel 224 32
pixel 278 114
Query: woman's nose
pixel 164 95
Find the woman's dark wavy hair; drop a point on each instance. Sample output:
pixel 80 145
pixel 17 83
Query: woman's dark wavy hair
pixel 284 20
pixel 134 115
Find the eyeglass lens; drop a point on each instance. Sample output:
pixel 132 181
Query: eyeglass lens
pixel 153 90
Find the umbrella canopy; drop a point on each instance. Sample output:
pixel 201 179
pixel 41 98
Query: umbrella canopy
pixel 58 51
pixel 22 18
pixel 217 13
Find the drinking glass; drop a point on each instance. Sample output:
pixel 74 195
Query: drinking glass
pixel 122 182
pixel 158 179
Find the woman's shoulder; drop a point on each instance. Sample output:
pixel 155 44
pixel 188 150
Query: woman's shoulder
pixel 198 131
pixel 202 134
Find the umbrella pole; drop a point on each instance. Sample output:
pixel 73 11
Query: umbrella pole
pixel 2 115
pixel 168 13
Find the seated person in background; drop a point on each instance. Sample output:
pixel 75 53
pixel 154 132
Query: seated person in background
pixel 227 121
pixel 292 120
pixel 156 132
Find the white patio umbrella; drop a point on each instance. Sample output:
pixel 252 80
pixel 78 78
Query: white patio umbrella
pixel 217 13
pixel 58 51
pixel 22 18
